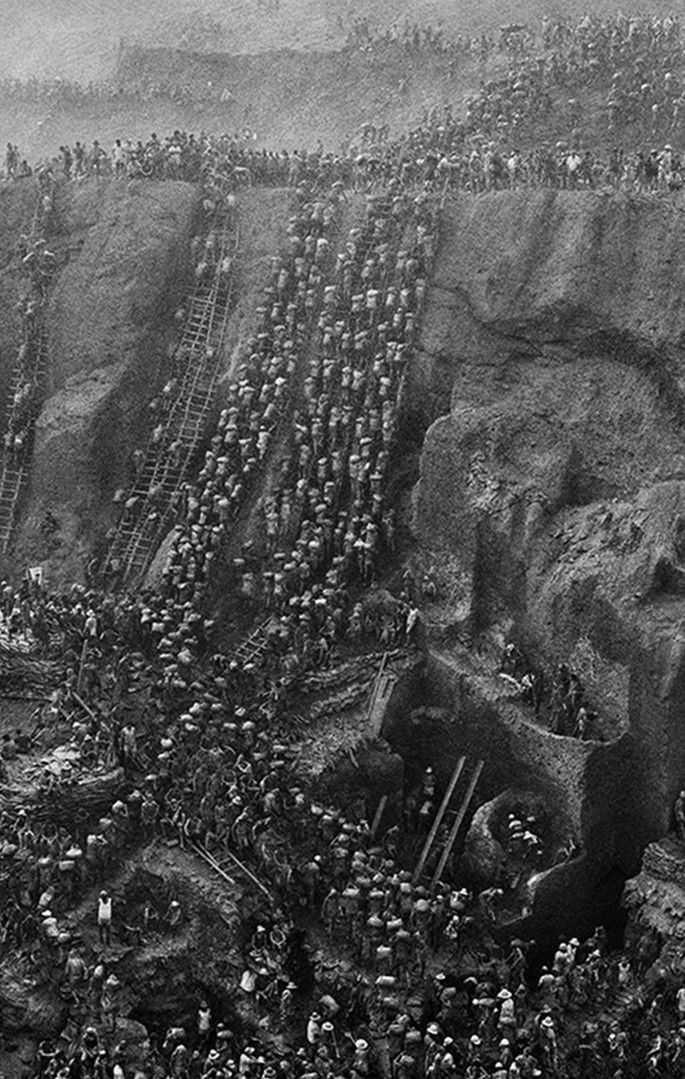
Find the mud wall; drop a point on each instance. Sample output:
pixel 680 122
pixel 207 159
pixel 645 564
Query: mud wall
pixel 520 271
pixel 583 786
pixel 571 900
pixel 582 781
pixel 124 252
pixel 550 479
pixel 124 249
pixel 17 205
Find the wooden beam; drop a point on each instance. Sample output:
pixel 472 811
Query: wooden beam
pixel 85 707
pixel 376 683
pixel 211 860
pixel 84 653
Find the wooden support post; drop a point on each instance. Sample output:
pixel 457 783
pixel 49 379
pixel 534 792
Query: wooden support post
pixel 85 707
pixel 458 821
pixel 376 686
pixel 84 653
pixel 447 798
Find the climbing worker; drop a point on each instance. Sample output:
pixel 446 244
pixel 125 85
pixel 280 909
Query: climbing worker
pixel 104 918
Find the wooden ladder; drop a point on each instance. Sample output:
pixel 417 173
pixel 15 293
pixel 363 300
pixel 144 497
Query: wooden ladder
pixel 458 821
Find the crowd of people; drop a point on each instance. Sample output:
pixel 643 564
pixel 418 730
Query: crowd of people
pixel 202 743
pixel 69 93
pixel 563 697
pixel 256 401
pixel 443 154
pixel 326 506
pixel 493 145
pixel 178 411
pixel 38 266
pixel 324 513
pixel 415 41
pixel 434 992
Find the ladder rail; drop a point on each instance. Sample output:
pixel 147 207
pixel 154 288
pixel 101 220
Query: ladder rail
pixel 458 821
pixel 447 798
pixel 134 543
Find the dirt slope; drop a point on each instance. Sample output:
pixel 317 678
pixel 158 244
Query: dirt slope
pixel 126 247
pixel 555 478
pixel 17 206
pixel 127 264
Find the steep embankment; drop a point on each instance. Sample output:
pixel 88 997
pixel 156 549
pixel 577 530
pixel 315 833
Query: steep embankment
pixel 17 206
pixel 125 253
pixel 552 472
pixel 124 248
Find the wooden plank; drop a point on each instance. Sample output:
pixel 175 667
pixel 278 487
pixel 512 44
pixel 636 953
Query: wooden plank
pixel 376 684
pixel 211 860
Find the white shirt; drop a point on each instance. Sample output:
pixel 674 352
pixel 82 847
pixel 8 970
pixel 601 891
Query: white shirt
pixel 104 911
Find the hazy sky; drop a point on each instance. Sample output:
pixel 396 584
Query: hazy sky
pixel 79 39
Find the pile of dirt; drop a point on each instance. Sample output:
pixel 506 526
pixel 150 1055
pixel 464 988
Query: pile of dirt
pixel 28 1007
pixel 665 860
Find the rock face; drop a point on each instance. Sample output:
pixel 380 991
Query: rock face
pixel 552 474
pixel 126 246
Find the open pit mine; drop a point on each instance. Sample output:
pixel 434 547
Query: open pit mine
pixel 342 558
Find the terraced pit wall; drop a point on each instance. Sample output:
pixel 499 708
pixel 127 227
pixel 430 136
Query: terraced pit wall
pixel 549 493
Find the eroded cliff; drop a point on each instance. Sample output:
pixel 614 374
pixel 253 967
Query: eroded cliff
pixel 551 487
pixel 124 266
pixel 122 250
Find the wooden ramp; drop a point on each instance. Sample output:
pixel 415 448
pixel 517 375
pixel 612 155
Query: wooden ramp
pixel 383 685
